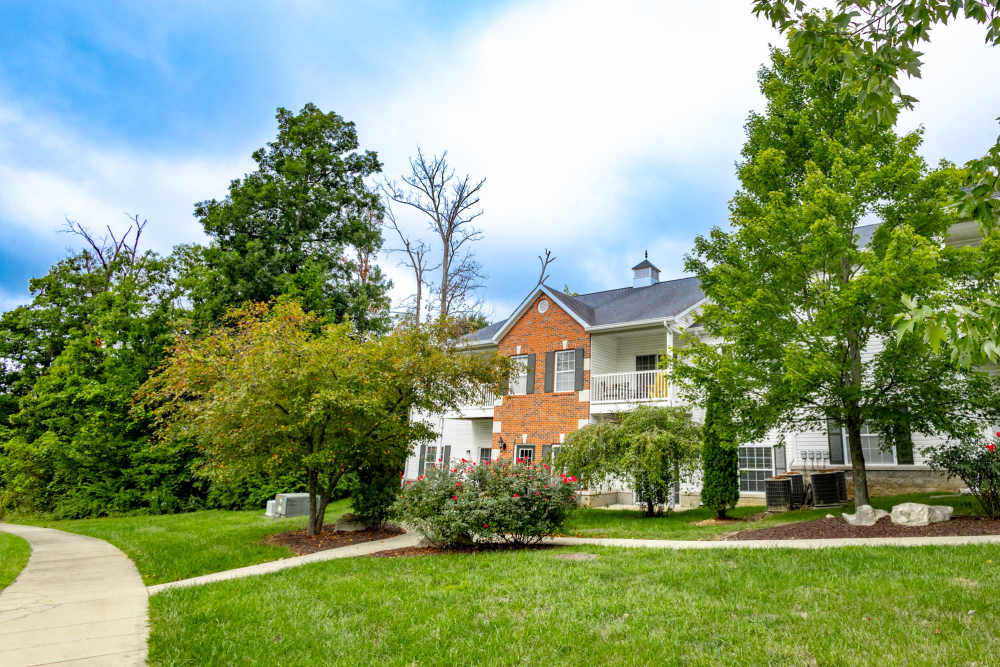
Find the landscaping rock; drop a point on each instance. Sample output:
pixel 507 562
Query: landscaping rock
pixel 918 514
pixel 865 515
pixel 349 522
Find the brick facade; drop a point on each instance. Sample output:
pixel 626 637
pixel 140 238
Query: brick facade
pixel 537 419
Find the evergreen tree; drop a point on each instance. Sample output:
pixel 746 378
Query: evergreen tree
pixel 720 488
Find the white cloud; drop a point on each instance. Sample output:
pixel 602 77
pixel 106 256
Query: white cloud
pixel 579 113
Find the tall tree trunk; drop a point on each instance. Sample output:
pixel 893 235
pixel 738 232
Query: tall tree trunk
pixel 315 517
pixel 854 421
pixel 416 314
pixel 444 284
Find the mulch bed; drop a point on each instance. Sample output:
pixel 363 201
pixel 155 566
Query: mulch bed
pixel 834 528
pixel 407 552
pixel 330 538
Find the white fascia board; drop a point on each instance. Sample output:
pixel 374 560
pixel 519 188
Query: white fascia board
pixel 690 309
pixel 633 324
pixel 541 289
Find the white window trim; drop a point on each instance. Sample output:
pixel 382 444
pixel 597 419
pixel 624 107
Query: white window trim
pixel 522 448
pixel 769 470
pixel 489 456
pixel 866 433
pixel 520 361
pixel 571 372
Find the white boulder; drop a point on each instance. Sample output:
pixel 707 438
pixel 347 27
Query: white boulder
pixel 918 514
pixel 866 515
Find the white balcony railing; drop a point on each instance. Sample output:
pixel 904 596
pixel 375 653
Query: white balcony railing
pixel 628 386
pixel 481 399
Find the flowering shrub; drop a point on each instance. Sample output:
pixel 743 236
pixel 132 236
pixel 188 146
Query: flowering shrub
pixel 515 503
pixel 977 464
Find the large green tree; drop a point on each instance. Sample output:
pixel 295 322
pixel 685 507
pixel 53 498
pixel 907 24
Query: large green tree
pixel 653 448
pixel 305 224
pixel 74 357
pixel 268 392
pixel 720 487
pixel 800 305
pixel 870 45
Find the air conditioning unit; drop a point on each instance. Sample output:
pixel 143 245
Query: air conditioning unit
pixel 778 494
pixel 829 488
pixel 288 504
pixel 798 488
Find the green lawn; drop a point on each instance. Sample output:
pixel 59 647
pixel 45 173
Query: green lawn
pixel 168 547
pixel 681 525
pixel 878 606
pixel 14 553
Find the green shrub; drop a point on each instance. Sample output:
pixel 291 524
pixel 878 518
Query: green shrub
pixel 373 493
pixel 513 503
pixel 976 463
pixel 720 488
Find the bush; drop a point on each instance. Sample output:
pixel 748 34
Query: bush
pixel 976 463
pixel 512 503
pixel 720 488
pixel 372 496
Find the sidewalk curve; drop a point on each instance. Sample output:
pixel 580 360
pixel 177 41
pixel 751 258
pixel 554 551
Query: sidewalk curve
pixel 779 544
pixel 79 600
pixel 360 549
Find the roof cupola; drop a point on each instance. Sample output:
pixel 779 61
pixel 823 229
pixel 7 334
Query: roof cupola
pixel 644 273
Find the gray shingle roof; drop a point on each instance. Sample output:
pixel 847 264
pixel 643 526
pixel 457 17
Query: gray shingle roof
pixel 619 306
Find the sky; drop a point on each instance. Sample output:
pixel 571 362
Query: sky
pixel 604 130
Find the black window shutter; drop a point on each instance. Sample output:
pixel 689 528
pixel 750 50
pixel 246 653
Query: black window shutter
pixel 550 369
pixel 531 375
pixel 446 456
pixel 579 369
pixel 835 438
pixel 547 453
pixel 780 464
pixel 423 457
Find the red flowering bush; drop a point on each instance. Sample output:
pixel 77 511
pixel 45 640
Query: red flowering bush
pixel 977 464
pixel 514 503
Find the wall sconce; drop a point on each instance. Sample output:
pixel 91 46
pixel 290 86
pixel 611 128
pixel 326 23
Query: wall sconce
pixel 503 445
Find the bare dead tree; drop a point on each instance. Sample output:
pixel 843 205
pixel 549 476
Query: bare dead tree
pixel 545 261
pixel 115 255
pixel 416 257
pixel 450 205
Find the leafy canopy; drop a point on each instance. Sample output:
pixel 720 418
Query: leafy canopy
pixel 305 224
pixel 273 390
pixel 800 304
pixel 652 447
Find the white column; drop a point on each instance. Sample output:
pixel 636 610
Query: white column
pixel 670 359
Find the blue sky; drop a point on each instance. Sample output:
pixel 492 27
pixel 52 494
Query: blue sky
pixel 603 129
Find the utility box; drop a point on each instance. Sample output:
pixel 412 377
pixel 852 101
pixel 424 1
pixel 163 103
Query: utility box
pixel 288 504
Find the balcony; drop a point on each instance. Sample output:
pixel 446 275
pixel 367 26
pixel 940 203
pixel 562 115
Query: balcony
pixel 480 404
pixel 629 387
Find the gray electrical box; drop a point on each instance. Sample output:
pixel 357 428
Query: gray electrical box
pixel 288 504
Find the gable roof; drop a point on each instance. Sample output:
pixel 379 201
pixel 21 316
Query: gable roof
pixel 609 308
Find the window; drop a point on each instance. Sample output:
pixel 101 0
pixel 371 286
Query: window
pixel 756 465
pixel 565 374
pixel 871 446
pixel 432 455
pixel 553 452
pixel 647 362
pixel 526 454
pixel 519 375
pixel 485 454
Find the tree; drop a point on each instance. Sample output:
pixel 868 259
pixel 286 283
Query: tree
pixel 103 317
pixel 450 205
pixel 302 224
pixel 544 262
pixel 869 45
pixel 417 258
pixel 272 390
pixel 720 489
pixel 801 304
pixel 654 448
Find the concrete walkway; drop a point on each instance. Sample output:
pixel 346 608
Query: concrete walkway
pixel 779 544
pixel 362 549
pixel 78 601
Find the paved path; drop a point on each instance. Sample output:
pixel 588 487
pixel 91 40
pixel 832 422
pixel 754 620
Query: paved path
pixel 78 601
pixel 362 549
pixel 779 544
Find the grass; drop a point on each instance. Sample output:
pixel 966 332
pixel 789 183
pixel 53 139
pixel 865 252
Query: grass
pixel 926 605
pixel 169 547
pixel 14 553
pixel 682 525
